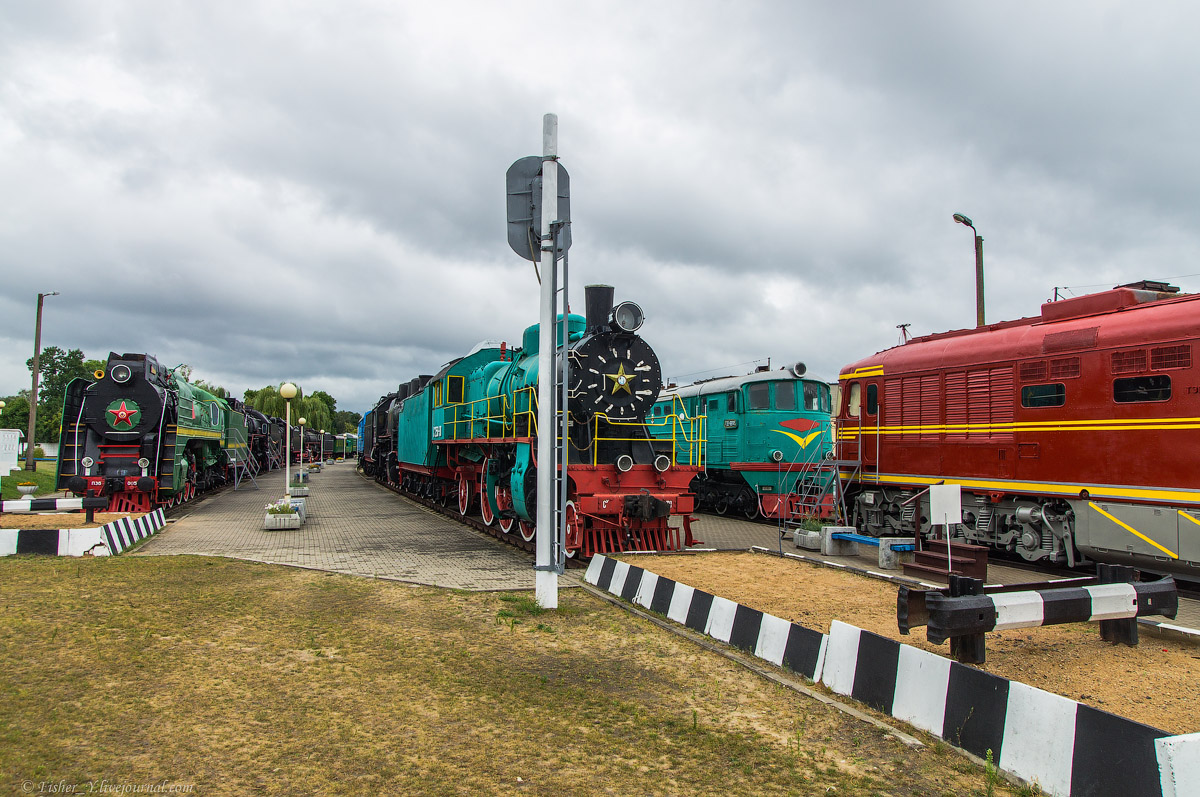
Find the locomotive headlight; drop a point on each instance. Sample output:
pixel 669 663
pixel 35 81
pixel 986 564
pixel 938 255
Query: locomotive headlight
pixel 628 317
pixel 143 463
pixel 87 463
pixel 777 456
pixel 624 463
pixel 120 373
pixel 662 462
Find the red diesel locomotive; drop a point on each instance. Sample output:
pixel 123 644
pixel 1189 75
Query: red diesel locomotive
pixel 1074 434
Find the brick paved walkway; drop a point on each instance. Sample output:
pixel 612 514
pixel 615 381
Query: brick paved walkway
pixel 353 526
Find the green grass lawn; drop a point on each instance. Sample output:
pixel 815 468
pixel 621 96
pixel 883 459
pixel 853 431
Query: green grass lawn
pixel 243 678
pixel 43 477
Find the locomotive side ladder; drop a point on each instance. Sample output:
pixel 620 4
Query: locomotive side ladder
pixel 73 434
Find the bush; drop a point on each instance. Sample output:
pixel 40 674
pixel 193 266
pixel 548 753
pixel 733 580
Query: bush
pixel 39 452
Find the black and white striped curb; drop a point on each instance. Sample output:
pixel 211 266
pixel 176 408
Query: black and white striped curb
pixel 783 643
pixel 111 538
pixel 1065 747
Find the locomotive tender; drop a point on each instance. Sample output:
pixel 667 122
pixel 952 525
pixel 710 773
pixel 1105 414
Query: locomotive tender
pixel 143 436
pixel 470 432
pixel 768 435
pixel 1073 433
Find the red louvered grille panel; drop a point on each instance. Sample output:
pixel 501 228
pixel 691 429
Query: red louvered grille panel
pixel 912 407
pixel 1128 362
pixel 1171 357
pixel 931 407
pixel 892 414
pixel 956 405
pixel 1067 368
pixel 979 405
pixel 1033 372
pixel 1002 405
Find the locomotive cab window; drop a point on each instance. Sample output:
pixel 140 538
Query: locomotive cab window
pixel 731 402
pixel 854 400
pixel 714 405
pixel 816 397
pixel 1156 387
pixel 785 396
pixel 454 389
pixel 759 396
pixel 872 398
pixel 1049 395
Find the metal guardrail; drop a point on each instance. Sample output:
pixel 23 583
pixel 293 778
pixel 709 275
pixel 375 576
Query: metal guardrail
pixel 964 612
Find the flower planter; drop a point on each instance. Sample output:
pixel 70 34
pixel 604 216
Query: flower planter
pixel 290 521
pixel 298 505
pixel 27 489
pixel 298 490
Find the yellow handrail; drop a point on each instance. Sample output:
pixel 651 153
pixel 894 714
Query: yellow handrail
pixel 483 418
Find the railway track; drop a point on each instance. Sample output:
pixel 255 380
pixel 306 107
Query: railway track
pixel 448 510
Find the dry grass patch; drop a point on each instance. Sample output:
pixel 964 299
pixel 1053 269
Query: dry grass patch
pixel 242 678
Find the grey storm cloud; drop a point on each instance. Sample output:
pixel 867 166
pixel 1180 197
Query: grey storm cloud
pixel 273 190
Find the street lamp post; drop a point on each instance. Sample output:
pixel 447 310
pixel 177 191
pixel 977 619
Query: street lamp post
pixel 3 473
pixel 961 219
pixel 288 391
pixel 37 354
pixel 322 447
pixel 300 453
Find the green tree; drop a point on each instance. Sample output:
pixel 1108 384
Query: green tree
pixel 345 422
pixel 315 409
pixel 56 370
pixel 15 414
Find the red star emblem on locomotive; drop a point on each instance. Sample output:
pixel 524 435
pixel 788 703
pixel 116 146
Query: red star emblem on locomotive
pixel 123 415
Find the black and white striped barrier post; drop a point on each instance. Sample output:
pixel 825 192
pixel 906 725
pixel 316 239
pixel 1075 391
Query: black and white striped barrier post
pixel 965 615
pixel 53 504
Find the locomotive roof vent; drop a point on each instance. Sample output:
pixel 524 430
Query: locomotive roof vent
pixel 1151 285
pixel 1119 298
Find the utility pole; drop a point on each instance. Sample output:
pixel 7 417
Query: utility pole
pixel 33 393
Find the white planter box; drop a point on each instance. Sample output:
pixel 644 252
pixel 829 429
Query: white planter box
pixel 298 492
pixel 291 521
pixel 298 505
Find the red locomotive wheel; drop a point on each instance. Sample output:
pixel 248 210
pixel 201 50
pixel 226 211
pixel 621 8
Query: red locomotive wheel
pixel 504 503
pixel 574 531
pixel 528 530
pixel 485 506
pixel 466 490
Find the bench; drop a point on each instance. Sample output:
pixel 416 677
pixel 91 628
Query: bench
pixel 844 541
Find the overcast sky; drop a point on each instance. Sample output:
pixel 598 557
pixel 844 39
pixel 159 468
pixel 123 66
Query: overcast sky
pixel 314 191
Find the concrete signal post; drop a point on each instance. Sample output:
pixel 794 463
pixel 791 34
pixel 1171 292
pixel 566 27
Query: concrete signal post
pixel 538 203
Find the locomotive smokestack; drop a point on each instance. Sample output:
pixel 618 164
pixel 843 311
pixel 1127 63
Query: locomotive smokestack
pixel 598 305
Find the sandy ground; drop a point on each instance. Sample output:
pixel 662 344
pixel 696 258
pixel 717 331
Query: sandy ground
pixel 56 520
pixel 1156 683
